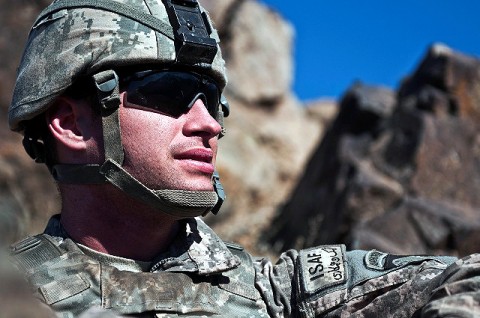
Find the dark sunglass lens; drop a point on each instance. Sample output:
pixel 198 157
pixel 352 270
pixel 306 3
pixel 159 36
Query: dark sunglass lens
pixel 213 98
pixel 162 92
pixel 172 93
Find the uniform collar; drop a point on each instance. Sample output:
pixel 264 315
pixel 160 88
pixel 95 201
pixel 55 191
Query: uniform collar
pixel 196 249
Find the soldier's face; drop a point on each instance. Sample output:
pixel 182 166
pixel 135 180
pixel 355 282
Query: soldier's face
pixel 166 152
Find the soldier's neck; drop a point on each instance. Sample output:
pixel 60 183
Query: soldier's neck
pixel 108 221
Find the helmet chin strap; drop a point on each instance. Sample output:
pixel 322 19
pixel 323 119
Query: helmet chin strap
pixel 178 203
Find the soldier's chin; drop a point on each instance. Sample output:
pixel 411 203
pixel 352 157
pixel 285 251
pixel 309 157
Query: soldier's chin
pixel 202 185
pixel 197 187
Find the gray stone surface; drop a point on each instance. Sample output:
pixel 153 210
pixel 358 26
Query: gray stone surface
pixel 397 171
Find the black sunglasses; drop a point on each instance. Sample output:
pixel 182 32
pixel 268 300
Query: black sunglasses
pixel 171 92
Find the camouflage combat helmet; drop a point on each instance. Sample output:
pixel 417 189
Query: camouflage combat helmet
pixel 72 39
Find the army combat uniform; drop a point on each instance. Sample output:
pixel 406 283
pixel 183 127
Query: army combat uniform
pixel 201 276
pixel 108 41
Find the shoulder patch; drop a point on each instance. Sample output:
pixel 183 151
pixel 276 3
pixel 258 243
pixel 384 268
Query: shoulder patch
pixel 322 267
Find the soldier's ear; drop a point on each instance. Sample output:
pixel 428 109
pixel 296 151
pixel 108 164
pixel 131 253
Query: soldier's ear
pixel 64 120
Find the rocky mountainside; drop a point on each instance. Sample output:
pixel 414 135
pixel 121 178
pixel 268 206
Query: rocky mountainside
pixel 395 170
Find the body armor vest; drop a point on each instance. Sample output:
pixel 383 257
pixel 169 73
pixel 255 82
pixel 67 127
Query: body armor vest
pixel 71 282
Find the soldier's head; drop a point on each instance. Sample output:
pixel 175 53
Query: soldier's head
pixel 126 92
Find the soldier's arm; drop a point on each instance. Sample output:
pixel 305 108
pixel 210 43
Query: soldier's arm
pixel 459 291
pixel 327 281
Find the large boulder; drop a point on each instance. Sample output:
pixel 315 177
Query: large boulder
pixel 397 171
pixel 257 44
pixel 270 134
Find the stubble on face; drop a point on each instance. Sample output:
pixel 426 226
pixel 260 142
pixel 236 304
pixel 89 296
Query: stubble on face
pixel 152 141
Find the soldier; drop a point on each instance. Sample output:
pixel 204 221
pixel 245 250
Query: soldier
pixel 122 100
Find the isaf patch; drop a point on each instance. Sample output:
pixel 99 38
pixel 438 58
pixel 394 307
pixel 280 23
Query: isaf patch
pixel 322 267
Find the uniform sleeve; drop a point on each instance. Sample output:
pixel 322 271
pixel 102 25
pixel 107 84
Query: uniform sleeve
pixel 328 281
pixel 275 283
pixel 335 283
pixel 459 292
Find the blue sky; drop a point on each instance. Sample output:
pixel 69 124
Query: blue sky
pixel 377 42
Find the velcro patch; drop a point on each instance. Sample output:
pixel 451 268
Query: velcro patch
pixel 375 260
pixel 63 288
pixel 322 267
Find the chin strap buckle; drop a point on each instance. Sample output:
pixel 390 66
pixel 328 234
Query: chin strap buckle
pixel 218 187
pixel 34 148
pixel 107 84
pixel 108 93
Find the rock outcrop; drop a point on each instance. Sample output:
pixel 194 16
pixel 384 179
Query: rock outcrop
pixel 269 134
pixel 397 171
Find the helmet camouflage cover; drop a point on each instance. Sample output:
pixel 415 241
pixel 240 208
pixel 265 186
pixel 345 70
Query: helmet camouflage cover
pixel 73 38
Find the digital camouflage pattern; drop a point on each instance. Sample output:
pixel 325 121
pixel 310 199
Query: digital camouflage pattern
pixel 16 298
pixel 459 294
pixel 82 41
pixel 201 276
